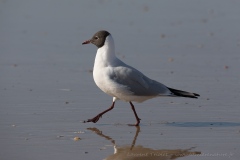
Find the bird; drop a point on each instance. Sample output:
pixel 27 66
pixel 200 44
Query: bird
pixel 122 81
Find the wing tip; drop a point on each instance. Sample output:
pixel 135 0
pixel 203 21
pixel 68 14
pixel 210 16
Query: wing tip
pixel 184 93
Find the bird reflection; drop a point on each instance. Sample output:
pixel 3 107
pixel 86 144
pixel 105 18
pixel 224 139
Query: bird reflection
pixel 132 152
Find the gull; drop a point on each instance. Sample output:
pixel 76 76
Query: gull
pixel 123 82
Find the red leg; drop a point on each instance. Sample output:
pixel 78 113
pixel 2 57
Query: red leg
pixel 136 116
pixel 95 119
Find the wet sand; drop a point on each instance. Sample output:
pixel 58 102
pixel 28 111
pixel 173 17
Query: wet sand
pixel 47 88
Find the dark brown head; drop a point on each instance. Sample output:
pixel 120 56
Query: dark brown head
pixel 98 38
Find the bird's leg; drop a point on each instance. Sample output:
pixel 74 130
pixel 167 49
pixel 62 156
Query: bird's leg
pixel 136 116
pixel 95 119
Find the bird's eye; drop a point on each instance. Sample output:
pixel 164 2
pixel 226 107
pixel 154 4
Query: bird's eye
pixel 96 37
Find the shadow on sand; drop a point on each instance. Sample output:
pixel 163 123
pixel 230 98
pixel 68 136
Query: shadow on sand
pixel 139 152
pixel 203 124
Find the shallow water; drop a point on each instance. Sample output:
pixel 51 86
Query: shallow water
pixel 47 88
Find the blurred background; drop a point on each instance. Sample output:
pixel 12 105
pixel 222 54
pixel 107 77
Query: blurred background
pixel 46 84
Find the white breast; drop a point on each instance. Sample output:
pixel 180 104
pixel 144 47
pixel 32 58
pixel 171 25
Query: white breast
pixel 104 60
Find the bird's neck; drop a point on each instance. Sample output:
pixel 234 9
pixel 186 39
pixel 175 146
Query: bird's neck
pixel 106 54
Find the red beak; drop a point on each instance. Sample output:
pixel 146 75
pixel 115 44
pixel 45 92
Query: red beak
pixel 86 42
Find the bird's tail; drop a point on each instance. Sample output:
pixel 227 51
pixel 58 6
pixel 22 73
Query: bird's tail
pixel 183 93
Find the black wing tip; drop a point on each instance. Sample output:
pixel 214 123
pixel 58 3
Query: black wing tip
pixel 196 95
pixel 181 93
pixel 188 96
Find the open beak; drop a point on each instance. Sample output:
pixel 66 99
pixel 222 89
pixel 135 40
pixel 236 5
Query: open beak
pixel 86 42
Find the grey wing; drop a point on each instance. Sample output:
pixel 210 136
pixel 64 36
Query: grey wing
pixel 137 83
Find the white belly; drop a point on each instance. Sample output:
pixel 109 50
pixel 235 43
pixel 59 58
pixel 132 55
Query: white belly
pixel 102 80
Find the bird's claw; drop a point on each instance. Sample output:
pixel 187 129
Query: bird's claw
pixel 94 120
pixel 137 124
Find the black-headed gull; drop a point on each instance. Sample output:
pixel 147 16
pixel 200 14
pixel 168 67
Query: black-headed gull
pixel 122 81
